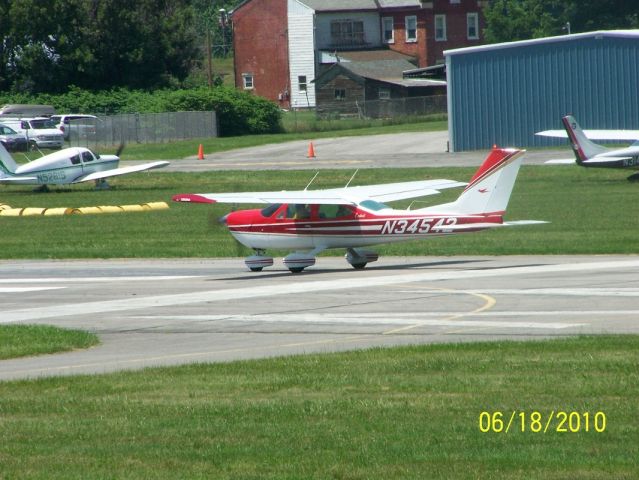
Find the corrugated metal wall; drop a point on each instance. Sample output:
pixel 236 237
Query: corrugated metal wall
pixel 505 95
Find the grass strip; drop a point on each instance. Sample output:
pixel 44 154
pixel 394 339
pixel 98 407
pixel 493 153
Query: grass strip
pixel 410 412
pixel 27 340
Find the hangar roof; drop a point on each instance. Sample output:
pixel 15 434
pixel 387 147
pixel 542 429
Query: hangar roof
pixel 540 41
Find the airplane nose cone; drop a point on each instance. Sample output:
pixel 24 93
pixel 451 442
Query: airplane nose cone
pixel 223 219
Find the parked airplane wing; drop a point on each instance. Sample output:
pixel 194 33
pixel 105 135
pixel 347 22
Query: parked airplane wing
pixel 561 161
pixel 121 171
pixel 337 196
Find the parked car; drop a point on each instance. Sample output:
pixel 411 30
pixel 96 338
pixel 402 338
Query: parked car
pixel 12 140
pixel 40 132
pixel 81 125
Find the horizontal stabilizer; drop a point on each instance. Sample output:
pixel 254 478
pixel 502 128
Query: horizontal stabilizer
pixel 484 225
pixel 18 180
pixel 597 160
pixel 629 135
pixel 121 171
pixel 561 161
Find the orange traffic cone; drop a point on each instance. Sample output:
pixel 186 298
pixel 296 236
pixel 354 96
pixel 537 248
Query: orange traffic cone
pixel 200 153
pixel 311 151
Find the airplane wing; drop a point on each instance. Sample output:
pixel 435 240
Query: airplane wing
pixel 121 171
pixel 630 135
pixel 337 196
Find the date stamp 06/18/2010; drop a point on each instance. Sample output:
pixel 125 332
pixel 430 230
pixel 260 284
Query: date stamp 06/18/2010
pixel 537 422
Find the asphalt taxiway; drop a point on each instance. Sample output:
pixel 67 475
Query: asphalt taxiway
pixel 168 312
pixel 397 150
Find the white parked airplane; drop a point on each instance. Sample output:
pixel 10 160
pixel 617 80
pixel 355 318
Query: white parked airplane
pixel 589 154
pixel 67 166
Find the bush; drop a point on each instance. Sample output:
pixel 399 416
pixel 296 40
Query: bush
pixel 238 113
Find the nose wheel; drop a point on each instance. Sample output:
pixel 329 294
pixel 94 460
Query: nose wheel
pixel 257 262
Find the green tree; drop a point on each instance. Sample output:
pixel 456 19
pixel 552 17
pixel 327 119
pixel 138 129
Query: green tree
pixel 510 20
pixel 95 45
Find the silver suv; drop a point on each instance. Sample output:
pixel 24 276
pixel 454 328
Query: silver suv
pixel 81 125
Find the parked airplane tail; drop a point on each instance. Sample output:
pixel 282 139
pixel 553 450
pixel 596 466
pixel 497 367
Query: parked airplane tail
pixel 489 190
pixel 581 145
pixel 7 163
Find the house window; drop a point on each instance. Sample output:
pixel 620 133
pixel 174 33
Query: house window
pixel 384 93
pixel 455 1
pixel 347 33
pixel 340 94
pixel 440 27
pixel 411 28
pixel 472 26
pixel 301 82
pixel 248 81
pixel 388 32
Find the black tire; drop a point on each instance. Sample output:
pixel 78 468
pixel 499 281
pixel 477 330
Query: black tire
pixel 296 269
pixel 256 269
pixel 358 266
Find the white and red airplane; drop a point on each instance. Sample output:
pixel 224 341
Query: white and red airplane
pixel 309 222
pixel 589 154
pixel 67 166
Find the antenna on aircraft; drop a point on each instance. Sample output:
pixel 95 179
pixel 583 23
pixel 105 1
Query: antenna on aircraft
pixel 309 183
pixel 349 182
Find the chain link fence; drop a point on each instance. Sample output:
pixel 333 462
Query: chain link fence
pixel 108 131
pixel 403 107
pixel 387 108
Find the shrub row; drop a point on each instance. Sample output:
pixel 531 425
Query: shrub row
pixel 238 113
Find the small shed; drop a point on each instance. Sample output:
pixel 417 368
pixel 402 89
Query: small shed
pixel 504 93
pixel 349 87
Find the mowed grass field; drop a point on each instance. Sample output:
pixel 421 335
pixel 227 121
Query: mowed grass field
pixel 410 413
pixel 592 211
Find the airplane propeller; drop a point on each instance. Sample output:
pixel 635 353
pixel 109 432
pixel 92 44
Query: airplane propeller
pixel 216 223
pixel 120 149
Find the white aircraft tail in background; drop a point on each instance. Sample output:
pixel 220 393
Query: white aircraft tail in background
pixel 589 154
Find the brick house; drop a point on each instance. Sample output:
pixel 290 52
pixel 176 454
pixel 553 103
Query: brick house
pixel 282 46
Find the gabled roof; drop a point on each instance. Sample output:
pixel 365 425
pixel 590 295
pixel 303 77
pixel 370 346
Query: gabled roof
pixel 387 71
pixel 400 3
pixel 339 5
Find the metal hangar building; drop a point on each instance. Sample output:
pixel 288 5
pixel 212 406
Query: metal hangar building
pixel 503 93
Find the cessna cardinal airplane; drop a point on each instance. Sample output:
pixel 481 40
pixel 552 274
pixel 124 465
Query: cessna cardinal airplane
pixel 354 217
pixel 71 165
pixel 589 154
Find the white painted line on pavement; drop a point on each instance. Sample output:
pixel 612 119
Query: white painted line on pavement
pixel 297 287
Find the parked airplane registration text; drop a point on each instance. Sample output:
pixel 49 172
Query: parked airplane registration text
pixel 418 225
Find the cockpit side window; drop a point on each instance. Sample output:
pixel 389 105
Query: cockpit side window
pixel 87 157
pixel 335 211
pixel 75 159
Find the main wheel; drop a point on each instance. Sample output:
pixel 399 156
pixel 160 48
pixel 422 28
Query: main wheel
pixel 358 266
pixel 296 269
pixel 256 269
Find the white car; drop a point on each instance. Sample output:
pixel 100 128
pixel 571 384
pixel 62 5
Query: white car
pixel 40 132
pixel 83 125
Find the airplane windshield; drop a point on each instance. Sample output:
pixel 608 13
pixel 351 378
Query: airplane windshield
pixel 270 210
pixel 373 205
pixel 97 156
